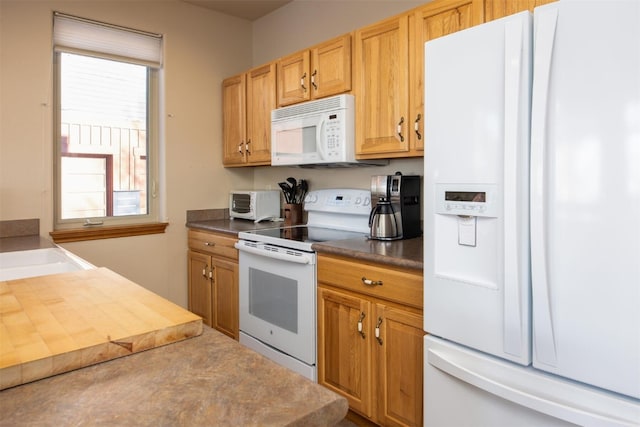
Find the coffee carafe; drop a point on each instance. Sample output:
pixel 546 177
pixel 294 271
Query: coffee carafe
pixel 383 221
pixel 395 207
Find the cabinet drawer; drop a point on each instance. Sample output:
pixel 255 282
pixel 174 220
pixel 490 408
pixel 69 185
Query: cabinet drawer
pixel 213 243
pixel 398 285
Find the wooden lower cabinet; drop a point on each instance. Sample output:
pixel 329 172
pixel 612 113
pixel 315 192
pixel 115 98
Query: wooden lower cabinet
pixel 369 348
pixel 213 281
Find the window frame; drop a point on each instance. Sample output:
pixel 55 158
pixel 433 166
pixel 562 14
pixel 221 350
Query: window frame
pixel 75 229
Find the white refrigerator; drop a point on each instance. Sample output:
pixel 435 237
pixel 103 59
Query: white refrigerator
pixel 532 219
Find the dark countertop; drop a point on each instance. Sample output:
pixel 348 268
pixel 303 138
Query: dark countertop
pixel 399 253
pixel 232 226
pixel 24 243
pixel 206 380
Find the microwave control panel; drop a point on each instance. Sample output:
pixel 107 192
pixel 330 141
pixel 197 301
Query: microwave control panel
pixel 332 134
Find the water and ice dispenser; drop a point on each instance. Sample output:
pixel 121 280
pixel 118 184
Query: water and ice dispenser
pixel 467 232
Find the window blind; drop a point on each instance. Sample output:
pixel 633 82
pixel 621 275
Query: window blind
pixel 78 35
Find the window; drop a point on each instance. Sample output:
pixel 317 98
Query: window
pixel 106 126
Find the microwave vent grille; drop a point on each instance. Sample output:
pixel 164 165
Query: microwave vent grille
pixel 332 103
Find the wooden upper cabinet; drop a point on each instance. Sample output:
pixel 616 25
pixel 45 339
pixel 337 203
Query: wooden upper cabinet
pixel 261 99
pixel 331 67
pixel 234 119
pixel 321 71
pixel 248 99
pixel 381 76
pixel 293 79
pixel 434 20
pixel 495 9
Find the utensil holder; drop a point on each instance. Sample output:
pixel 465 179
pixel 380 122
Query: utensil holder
pixel 292 214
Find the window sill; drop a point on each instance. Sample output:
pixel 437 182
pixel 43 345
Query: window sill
pixel 109 232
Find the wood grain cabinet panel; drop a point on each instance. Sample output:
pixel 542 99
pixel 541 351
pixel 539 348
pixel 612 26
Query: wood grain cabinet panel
pixel 344 356
pixel 199 285
pixel 247 101
pixel 314 73
pixel 382 88
pixel 370 343
pixel 213 280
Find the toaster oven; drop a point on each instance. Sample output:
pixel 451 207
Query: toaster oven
pixel 255 205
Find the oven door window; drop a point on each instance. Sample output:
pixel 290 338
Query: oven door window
pixel 274 299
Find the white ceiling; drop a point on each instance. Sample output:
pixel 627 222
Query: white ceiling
pixel 246 9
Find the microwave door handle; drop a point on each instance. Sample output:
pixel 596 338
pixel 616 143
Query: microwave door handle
pixel 320 133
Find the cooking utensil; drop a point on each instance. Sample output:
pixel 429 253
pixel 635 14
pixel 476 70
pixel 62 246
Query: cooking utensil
pixel 304 187
pixel 294 189
pixel 286 190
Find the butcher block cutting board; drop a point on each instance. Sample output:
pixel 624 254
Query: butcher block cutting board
pixel 57 323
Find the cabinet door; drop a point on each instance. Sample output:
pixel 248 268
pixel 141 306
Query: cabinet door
pixel 344 354
pixel 495 9
pixel 225 297
pixel 382 89
pixel 234 120
pixel 261 99
pixel 199 268
pixel 434 20
pixel 399 346
pixel 331 67
pixel 294 79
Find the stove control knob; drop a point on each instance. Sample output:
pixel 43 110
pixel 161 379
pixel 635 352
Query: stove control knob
pixel 367 201
pixel 358 200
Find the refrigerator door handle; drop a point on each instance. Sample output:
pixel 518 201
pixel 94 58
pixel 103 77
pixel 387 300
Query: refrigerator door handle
pixel 573 407
pixel 516 98
pixel 543 332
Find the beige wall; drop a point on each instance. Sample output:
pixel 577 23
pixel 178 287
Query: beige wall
pixel 201 48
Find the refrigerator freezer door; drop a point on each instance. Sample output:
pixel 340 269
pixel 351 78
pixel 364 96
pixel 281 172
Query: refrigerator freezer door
pixel 585 194
pixel 467 388
pixel 477 91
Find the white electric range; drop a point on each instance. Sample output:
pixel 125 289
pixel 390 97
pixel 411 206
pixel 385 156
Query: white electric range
pixel 277 276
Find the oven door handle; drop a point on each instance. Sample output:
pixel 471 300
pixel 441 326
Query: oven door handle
pixel 276 255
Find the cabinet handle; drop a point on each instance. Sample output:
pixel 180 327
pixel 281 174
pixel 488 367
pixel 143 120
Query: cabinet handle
pixel 240 147
pixel 360 324
pixel 304 76
pixel 246 146
pixel 378 330
pixel 204 271
pixel 313 79
pixel 370 282
pixel 416 126
pixel 211 273
pixel 400 129
pixel 209 243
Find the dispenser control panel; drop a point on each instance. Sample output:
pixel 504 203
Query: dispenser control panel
pixel 467 199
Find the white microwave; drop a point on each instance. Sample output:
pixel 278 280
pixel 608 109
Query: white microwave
pixel 315 133
pixel 257 205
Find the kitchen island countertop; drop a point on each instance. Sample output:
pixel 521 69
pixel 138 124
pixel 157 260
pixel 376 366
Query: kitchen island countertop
pixel 206 380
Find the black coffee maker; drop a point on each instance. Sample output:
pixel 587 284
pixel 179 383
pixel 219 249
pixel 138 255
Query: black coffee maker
pixel 395 207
